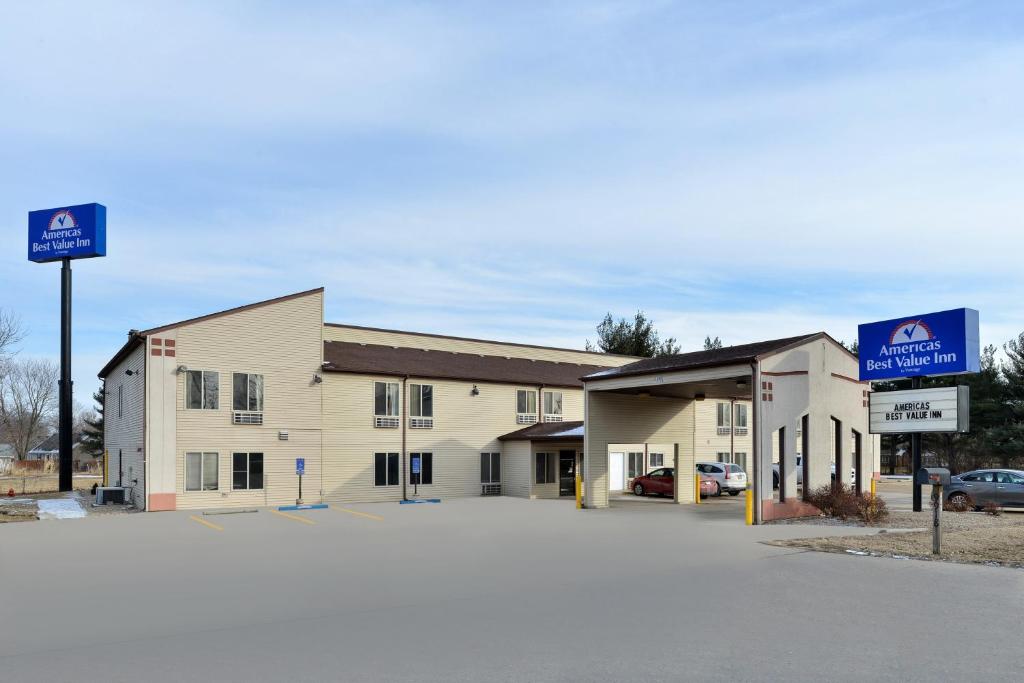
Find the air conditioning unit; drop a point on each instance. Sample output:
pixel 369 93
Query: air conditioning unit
pixel 109 494
pixel 490 489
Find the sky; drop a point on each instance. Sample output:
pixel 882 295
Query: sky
pixel 515 171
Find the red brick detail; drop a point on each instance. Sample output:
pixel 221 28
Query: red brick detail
pixel 156 352
pixel 162 502
pixel 168 342
pixel 771 510
pixel 769 386
pixel 170 353
pixel 764 397
pixel 157 342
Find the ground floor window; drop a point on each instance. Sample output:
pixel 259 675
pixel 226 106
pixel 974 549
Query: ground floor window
pixel 656 460
pixel 545 470
pixel 636 465
pixel 201 472
pixel 490 468
pixel 426 468
pixel 385 469
pixel 247 471
pixel 736 458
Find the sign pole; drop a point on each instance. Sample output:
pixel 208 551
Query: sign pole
pixel 915 453
pixel 936 510
pixel 65 399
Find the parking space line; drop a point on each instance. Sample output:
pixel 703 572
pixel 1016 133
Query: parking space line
pixel 213 526
pixel 295 517
pixel 360 514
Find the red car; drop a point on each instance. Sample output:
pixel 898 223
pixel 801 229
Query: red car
pixel 662 482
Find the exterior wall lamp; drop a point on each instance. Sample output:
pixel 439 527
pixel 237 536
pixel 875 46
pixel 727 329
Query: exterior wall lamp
pixel 474 391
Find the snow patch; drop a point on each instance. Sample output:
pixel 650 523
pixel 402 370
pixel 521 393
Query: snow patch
pixel 60 508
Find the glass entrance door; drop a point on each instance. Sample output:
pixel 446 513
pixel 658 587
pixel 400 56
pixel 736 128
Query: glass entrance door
pixel 567 473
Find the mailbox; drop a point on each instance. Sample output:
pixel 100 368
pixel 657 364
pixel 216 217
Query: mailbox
pixel 929 476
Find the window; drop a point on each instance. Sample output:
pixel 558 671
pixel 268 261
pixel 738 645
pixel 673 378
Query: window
pixel 655 459
pixel 636 465
pixel 248 392
pixel 741 460
pixel 741 419
pixel 421 400
pixel 421 406
pixel 385 404
pixel 723 456
pixel 661 473
pixel 426 474
pixel 202 389
pixel 552 406
pixel 490 468
pixel 545 471
pixel 724 423
pixel 201 473
pixel 120 400
pixel 385 469
pixel 526 406
pixel 247 471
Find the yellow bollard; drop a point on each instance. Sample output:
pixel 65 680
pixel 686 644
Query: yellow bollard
pixel 579 493
pixel 696 482
pixel 750 506
pixel 873 482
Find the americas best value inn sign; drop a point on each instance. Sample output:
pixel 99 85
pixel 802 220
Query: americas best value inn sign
pixel 70 232
pixel 944 343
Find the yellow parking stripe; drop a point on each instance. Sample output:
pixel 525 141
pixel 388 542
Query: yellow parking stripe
pixel 360 514
pixel 205 523
pixel 295 517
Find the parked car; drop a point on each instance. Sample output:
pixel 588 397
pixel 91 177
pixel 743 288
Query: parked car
pixel 729 477
pixel 800 472
pixel 662 481
pixel 979 487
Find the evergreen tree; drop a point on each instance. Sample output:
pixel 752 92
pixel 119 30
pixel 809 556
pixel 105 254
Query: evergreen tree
pixel 92 436
pixel 712 344
pixel 632 338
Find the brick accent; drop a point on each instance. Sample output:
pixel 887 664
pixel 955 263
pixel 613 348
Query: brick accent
pixel 162 502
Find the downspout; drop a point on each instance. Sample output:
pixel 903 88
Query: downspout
pixel 732 430
pixel 755 381
pixel 540 403
pixel 405 401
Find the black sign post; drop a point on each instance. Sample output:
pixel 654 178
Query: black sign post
pixel 915 453
pixel 65 399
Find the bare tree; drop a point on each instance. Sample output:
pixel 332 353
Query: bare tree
pixel 11 332
pixel 28 395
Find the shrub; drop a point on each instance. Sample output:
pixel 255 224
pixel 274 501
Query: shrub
pixel 835 501
pixel 872 509
pixel 992 509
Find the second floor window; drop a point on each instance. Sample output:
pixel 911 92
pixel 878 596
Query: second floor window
pixel 421 400
pixel 741 416
pixel 553 405
pixel 202 389
pixel 247 392
pixel 723 416
pixel 526 402
pixel 385 399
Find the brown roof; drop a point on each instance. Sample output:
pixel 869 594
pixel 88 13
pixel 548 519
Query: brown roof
pixel 570 430
pixel 377 359
pixel 135 337
pixel 730 355
pixel 473 339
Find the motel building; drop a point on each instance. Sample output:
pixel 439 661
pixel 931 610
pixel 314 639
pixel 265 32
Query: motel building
pixel 213 412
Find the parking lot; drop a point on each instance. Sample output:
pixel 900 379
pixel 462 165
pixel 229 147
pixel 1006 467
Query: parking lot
pixel 482 589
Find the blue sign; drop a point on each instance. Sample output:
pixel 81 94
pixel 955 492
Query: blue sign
pixel 944 343
pixel 68 232
pixel 300 466
pixel 415 464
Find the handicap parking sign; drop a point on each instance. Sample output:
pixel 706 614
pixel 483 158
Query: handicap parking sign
pixel 300 466
pixel 415 464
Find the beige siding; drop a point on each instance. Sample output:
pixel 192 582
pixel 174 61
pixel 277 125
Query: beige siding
pixel 281 341
pixel 550 490
pixel 464 426
pixel 709 443
pixel 490 348
pixel 122 434
pixel 516 468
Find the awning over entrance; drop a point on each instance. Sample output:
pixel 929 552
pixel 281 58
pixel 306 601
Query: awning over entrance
pixel 806 383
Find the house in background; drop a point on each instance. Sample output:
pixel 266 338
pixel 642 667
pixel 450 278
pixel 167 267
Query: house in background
pixel 7 458
pixel 49 450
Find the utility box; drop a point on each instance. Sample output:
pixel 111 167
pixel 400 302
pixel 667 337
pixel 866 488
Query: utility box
pixel 106 495
pixel 930 476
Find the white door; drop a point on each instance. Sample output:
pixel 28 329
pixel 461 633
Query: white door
pixel 616 471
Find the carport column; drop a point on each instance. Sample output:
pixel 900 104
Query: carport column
pixel 595 459
pixel 762 464
pixel 842 449
pixel 685 487
pixel 787 453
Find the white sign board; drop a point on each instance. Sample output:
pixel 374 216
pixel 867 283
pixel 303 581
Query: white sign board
pixel 919 410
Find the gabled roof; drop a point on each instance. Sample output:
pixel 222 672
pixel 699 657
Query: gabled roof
pixel 571 430
pixel 51 444
pixel 135 338
pixel 377 359
pixel 729 355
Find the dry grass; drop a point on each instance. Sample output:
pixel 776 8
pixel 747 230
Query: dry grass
pixel 966 537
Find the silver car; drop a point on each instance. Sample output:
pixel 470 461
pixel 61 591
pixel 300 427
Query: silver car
pixel 729 477
pixel 980 487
